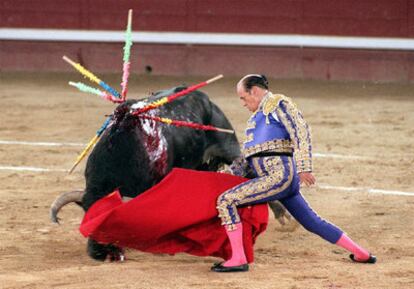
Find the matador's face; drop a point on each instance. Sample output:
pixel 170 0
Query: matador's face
pixel 249 99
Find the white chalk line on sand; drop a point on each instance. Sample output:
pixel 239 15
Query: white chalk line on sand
pixel 30 169
pixel 321 186
pixel 58 144
pixel 47 144
pixel 339 156
pixel 367 190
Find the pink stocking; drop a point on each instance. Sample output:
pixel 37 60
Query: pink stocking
pixel 236 241
pixel 360 253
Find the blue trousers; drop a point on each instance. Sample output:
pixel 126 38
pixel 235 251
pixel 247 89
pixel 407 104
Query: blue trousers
pixel 276 180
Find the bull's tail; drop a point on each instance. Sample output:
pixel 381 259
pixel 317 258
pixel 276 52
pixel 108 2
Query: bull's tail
pixel 62 200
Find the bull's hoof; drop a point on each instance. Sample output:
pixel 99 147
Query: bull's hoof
pixel 290 226
pixel 97 251
pixel 115 254
pixel 101 252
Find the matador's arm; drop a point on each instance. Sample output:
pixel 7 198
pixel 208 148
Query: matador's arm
pixel 299 133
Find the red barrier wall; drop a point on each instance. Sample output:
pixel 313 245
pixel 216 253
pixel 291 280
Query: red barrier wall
pixel 379 18
pixel 391 18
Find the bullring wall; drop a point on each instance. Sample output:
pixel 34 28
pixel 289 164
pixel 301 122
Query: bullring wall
pixel 386 19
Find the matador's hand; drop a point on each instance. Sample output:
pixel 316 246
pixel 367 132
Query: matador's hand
pixel 307 178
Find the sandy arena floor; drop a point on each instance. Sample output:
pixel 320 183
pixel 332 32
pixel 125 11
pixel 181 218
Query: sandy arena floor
pixel 363 135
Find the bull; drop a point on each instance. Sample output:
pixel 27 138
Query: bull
pixel 134 154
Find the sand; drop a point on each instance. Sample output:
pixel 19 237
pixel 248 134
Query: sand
pixel 363 137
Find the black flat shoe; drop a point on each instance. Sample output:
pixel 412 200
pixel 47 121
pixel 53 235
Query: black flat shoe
pixel 218 267
pixel 371 260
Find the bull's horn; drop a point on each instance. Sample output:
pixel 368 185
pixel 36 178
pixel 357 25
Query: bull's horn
pixel 62 200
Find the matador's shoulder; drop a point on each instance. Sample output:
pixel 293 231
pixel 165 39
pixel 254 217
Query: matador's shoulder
pixel 273 101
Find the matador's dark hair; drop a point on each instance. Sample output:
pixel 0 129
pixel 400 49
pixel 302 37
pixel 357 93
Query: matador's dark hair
pixel 251 80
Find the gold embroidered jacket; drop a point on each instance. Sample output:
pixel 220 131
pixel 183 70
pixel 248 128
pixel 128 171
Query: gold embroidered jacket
pixel 277 126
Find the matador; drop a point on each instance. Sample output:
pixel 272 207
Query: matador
pixel 278 151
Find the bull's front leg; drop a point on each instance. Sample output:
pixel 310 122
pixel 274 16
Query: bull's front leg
pixel 101 252
pixel 95 250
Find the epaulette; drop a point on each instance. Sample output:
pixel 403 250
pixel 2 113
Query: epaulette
pixel 271 103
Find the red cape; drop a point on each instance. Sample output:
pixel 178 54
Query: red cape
pixel 177 215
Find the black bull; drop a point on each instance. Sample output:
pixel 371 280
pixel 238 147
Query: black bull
pixel 134 154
